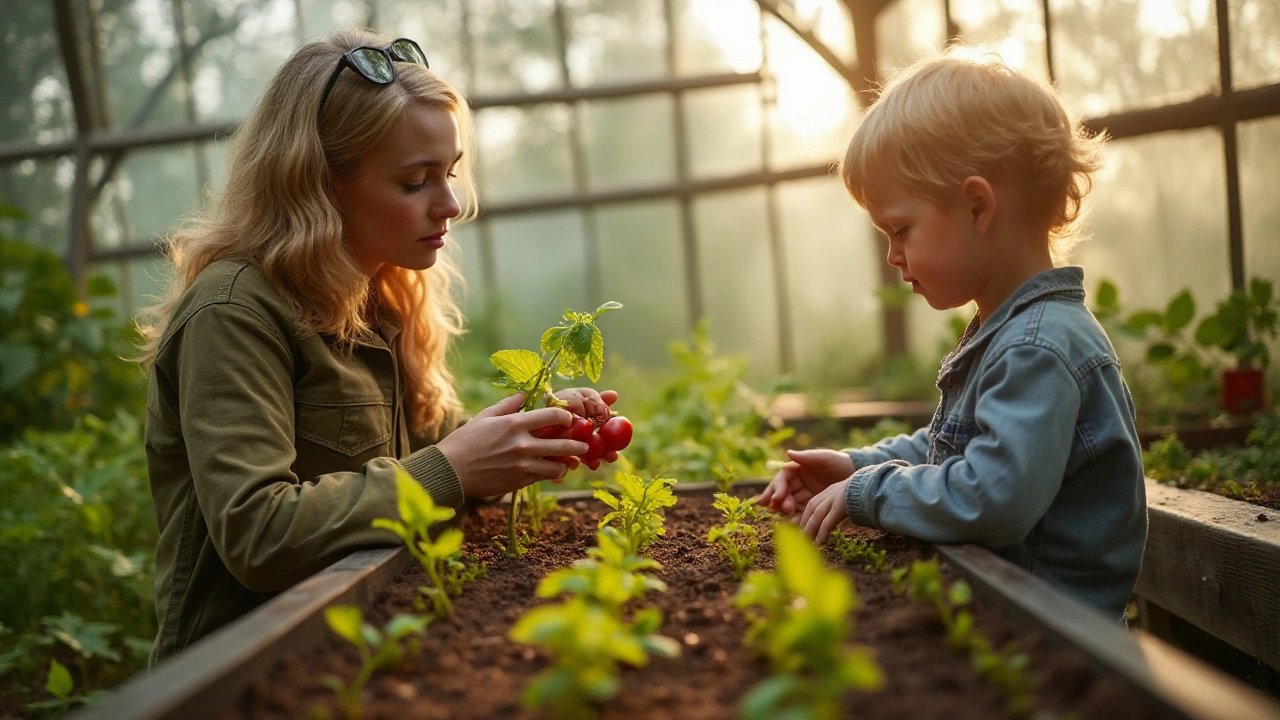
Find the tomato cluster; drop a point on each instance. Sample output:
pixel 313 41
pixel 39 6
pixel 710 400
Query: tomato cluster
pixel 614 434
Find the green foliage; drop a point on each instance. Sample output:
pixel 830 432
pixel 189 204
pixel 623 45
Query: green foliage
pixel 59 356
pixel 856 551
pixel 387 648
pixel 441 558
pixel 59 684
pixel 1242 324
pixel 77 537
pixel 1005 667
pixel 637 509
pixel 1184 367
pixel 587 634
pixel 884 428
pixel 705 423
pixel 610 577
pixel 799 619
pixel 1238 472
pixel 571 349
pixel 737 538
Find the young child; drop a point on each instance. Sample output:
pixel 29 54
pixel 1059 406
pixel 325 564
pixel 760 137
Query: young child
pixel 975 173
pixel 299 359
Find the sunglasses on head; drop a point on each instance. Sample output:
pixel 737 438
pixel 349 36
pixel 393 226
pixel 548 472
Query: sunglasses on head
pixel 377 65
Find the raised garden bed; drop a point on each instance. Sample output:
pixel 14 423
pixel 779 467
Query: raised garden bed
pixel 271 663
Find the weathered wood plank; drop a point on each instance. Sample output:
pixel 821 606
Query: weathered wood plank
pixel 1169 677
pixel 1211 561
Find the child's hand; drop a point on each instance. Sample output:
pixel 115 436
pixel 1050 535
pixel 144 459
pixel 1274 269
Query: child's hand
pixel 824 512
pixel 588 403
pixel 809 473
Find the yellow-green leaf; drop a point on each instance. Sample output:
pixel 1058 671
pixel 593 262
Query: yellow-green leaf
pixel 522 366
pixel 59 682
pixel 345 620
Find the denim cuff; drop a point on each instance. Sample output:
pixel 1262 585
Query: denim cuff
pixel 436 475
pixel 857 500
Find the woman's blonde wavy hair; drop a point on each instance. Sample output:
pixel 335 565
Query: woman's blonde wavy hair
pixel 948 117
pixel 276 212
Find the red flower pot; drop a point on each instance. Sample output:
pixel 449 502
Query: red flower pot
pixel 1242 390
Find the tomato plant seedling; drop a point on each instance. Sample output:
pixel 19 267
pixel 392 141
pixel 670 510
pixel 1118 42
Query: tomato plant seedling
pixel 857 551
pixel 637 509
pixel 738 538
pixel 573 348
pixel 378 649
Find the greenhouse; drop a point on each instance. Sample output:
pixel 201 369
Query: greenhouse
pixel 640 358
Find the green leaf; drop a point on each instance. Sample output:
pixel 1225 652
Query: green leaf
pixel 1261 291
pixel 610 305
pixel 449 542
pixel 404 624
pixel 766 698
pixel 595 358
pixel 1181 309
pixel 1212 332
pixel 521 366
pixel 59 682
pixel 553 338
pixel 1158 352
pixel 579 340
pixel 100 286
pixel 345 620
pixel 960 593
pixel 17 363
pixel 1144 319
pixel 1107 296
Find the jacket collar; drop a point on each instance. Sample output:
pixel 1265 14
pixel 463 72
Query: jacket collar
pixel 1064 282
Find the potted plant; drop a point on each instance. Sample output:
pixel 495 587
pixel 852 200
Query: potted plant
pixel 1242 325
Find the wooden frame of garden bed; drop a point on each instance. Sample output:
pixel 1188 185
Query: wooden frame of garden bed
pixel 208 676
pixel 1211 561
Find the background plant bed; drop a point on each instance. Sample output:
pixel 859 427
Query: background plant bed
pixel 469 669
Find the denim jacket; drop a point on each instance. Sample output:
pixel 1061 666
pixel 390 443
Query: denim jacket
pixel 1032 450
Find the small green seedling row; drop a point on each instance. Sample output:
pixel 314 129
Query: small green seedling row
pixel 738 537
pixel 857 551
pixel 588 634
pixel 573 348
pixel 441 558
pixel 1005 667
pixel 799 619
pixel 379 650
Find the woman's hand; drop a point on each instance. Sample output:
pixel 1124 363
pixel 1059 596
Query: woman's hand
pixel 495 452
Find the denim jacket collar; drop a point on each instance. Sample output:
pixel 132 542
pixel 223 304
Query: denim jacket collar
pixel 1066 282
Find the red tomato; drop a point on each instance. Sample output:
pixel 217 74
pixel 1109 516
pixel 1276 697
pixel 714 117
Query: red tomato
pixel 595 448
pixel 617 433
pixel 581 428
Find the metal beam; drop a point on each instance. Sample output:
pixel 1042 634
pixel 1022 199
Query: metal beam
pixel 619 90
pixel 787 16
pixel 1205 111
pixel 86 123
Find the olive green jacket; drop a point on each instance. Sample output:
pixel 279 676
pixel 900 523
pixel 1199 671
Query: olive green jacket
pixel 270 452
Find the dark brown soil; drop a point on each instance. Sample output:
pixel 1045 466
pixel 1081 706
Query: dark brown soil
pixel 468 668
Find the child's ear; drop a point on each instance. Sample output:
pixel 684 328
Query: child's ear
pixel 980 199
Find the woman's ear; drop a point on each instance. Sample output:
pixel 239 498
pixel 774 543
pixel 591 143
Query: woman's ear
pixel 980 200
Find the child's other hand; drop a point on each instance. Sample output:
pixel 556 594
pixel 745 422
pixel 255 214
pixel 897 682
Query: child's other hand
pixel 809 473
pixel 824 512
pixel 588 403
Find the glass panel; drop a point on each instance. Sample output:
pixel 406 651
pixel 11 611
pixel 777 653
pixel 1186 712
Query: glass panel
pixel 1259 158
pixel 1013 29
pixel 629 142
pixel 524 152
pixel 516 47
pixel 737 277
pixel 42 190
pixel 33 86
pixel 1159 221
pixel 833 270
pixel 147 278
pixel 642 267
pixel 615 41
pixel 717 36
pixel 116 272
pixel 465 250
pixel 231 70
pixel 151 190
pixel 724 130
pixel 831 23
pixel 815 107
pixel 1255 42
pixel 1119 54
pixel 141 67
pixel 541 271
pixel 907 30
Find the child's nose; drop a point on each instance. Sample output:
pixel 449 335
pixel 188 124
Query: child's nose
pixel 896 258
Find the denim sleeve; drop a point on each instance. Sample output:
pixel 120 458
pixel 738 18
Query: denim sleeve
pixel 913 448
pixel 1008 475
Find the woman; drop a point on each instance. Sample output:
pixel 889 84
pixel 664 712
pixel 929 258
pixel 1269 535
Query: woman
pixel 299 358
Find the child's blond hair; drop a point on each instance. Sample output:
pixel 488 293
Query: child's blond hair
pixel 946 118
